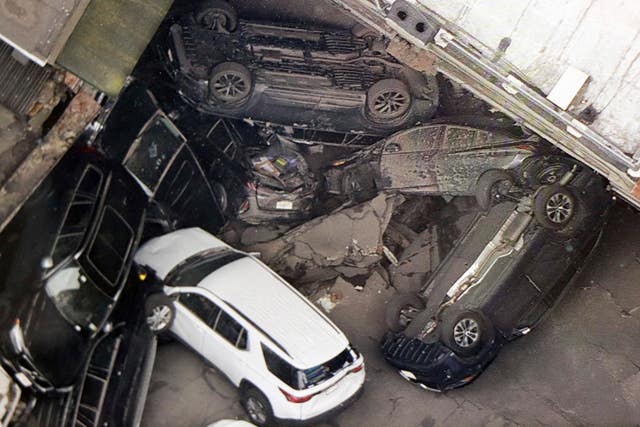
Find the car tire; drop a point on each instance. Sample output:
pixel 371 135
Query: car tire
pixel 230 83
pixel 159 313
pixel 467 332
pixel 554 207
pixel 492 186
pixel 258 407
pixel 217 15
pixel 388 99
pixel 221 196
pixel 401 310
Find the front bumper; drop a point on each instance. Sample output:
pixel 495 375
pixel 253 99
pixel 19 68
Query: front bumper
pixel 433 366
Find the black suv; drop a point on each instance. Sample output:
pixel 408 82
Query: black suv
pixel 65 260
pixel 329 79
pixel 509 268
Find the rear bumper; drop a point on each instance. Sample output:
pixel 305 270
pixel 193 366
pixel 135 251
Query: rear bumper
pixel 325 415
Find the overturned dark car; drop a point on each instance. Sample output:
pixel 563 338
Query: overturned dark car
pixel 329 79
pixel 445 160
pixel 509 268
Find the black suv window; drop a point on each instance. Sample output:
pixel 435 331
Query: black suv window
pixel 280 368
pixel 78 215
pixel 201 307
pixel 111 246
pixel 231 330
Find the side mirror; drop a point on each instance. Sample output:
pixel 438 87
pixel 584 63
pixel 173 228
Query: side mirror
pixel 46 263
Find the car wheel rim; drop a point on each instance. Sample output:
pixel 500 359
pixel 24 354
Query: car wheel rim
pixel 466 333
pixel 500 189
pixel 390 103
pixel 559 208
pixel 231 87
pixel 215 20
pixel 256 410
pixel 159 318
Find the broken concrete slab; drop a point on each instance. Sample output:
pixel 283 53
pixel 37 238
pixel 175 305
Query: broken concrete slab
pixel 416 262
pixel 351 236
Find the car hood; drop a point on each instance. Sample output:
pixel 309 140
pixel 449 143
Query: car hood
pixel 57 350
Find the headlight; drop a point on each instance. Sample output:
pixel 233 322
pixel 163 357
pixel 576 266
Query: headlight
pixel 17 339
pixel 408 375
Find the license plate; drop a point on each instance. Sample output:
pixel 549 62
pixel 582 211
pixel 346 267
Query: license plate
pixel 284 204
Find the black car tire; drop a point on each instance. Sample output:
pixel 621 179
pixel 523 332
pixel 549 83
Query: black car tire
pixel 217 15
pixel 492 186
pixel 230 83
pixel 221 196
pixel 554 207
pixel 258 407
pixel 388 99
pixel 159 312
pixel 401 310
pixel 467 332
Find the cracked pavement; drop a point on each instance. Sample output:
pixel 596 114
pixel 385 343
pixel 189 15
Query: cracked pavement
pixel 581 366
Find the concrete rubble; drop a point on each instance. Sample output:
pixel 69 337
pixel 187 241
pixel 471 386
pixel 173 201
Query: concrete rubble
pixel 348 241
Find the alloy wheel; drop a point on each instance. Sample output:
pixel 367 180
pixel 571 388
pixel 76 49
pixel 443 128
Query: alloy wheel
pixel 159 318
pixel 390 103
pixel 466 332
pixel 256 410
pixel 559 208
pixel 231 86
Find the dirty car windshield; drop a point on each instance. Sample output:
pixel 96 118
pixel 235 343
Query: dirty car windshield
pixel 77 298
pixel 153 151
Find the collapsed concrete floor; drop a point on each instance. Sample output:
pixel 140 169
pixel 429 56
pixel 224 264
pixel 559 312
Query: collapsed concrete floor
pixel 581 366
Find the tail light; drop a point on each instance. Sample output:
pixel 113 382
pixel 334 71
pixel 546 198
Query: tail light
pixel 357 368
pixel 296 399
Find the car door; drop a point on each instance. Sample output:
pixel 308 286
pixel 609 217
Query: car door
pixel 192 313
pixel 407 160
pixel 225 344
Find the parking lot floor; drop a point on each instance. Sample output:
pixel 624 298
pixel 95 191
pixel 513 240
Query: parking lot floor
pixel 581 366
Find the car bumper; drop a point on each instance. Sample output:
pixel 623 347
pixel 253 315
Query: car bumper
pixel 324 415
pixel 433 366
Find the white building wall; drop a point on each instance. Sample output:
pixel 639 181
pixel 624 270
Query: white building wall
pixel 598 37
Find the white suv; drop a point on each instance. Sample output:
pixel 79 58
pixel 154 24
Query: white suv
pixel 289 361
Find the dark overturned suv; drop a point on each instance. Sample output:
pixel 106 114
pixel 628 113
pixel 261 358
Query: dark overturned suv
pixel 508 269
pixel 329 79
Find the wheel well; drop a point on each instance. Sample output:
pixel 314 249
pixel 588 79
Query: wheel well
pixel 246 385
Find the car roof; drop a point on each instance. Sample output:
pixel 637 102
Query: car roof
pixel 261 296
pixel 279 311
pixel 163 253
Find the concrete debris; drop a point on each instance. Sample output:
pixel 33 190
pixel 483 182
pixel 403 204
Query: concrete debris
pixel 348 237
pixel 416 262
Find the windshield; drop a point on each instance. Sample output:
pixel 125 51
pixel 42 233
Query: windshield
pixel 78 215
pixel 77 298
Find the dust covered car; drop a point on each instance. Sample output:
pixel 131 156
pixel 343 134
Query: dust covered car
pixel 330 79
pixel 510 267
pixel 435 159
